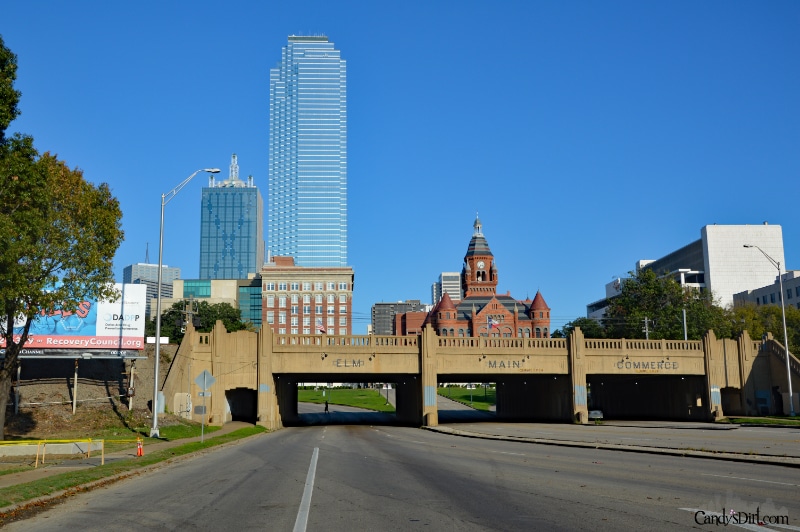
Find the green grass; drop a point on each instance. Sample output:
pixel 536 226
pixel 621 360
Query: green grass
pixel 368 398
pixel 24 492
pixel 794 422
pixel 480 398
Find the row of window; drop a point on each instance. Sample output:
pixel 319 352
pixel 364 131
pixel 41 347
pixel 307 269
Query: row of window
pixel 763 300
pixel 294 286
pixel 295 321
pixel 295 299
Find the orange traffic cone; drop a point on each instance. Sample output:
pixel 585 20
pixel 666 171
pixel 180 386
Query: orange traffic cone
pixel 139 447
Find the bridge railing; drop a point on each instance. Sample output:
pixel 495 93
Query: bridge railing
pixel 346 341
pixel 605 344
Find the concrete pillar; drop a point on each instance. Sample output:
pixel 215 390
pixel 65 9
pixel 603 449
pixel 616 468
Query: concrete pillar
pixel 268 415
pixel 577 363
pixel 430 377
pixel 715 375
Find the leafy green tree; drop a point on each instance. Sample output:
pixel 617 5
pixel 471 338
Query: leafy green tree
pixel 661 301
pixel 173 319
pixel 761 319
pixel 58 235
pixel 591 328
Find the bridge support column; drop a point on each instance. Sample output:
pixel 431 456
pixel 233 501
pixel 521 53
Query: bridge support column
pixel 716 375
pixel 430 376
pixel 268 414
pixel 577 362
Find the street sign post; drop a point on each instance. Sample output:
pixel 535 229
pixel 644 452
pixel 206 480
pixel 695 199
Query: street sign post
pixel 205 380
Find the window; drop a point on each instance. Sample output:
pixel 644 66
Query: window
pixel 342 286
pixel 343 309
pixel 797 291
pixel 318 299
pixel 282 318
pixel 294 330
pixel 282 285
pixel 306 299
pixel 269 286
pixel 318 285
pixel 331 321
pixel 789 294
pixel 270 301
pixel 295 286
pixel 331 285
pixel 306 321
pixel 342 321
pixel 306 285
pixel 342 331
pixel 342 298
pixel 772 298
pixel 282 302
pixel 294 322
pixel 306 330
pixel 306 309
pixel 331 299
pixel 271 317
pixel 294 309
pixel 281 330
pixel 295 299
pixel 318 309
pixel 330 309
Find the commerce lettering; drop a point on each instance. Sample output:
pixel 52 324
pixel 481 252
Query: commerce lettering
pixel 651 365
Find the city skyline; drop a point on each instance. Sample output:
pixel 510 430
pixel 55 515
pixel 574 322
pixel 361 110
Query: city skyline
pixel 587 136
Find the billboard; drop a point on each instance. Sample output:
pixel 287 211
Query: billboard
pixel 95 327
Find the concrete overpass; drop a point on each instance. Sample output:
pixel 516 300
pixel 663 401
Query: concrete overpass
pixel 537 378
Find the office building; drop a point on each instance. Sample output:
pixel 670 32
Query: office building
pixel 231 228
pixel 307 200
pixel 383 314
pixel 717 262
pixel 243 294
pixel 147 274
pixel 448 283
pixel 770 294
pixel 298 300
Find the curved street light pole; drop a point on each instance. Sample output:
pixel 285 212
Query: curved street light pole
pixel 165 198
pixel 785 334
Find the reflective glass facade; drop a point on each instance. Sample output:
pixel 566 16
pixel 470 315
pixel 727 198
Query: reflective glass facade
pixel 307 216
pixel 231 232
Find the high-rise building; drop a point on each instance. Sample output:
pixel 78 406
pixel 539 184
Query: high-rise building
pixel 231 228
pixel 448 283
pixel 147 274
pixel 383 314
pixel 307 200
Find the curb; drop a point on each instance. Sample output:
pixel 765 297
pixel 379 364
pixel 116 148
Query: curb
pixel 52 498
pixel 787 461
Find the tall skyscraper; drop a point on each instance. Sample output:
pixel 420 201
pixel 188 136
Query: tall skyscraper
pixel 308 154
pixel 231 228
pixel 147 274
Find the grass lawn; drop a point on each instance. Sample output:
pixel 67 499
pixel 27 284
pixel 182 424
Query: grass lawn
pixel 480 398
pixel 785 421
pixel 368 398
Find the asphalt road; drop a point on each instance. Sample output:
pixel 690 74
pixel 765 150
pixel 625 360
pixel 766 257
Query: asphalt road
pixel 383 477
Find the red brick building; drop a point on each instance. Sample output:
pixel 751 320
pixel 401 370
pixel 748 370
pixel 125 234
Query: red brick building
pixel 482 311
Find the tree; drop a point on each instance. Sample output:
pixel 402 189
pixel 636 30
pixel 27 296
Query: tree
pixel 590 328
pixel 761 319
pixel 207 314
pixel 58 235
pixel 661 301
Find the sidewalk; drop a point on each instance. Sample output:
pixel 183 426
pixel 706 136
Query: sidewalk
pixel 57 467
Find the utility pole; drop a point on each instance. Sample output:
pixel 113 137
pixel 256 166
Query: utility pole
pixel 647 328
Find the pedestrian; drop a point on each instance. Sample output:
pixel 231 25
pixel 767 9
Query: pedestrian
pixel 326 406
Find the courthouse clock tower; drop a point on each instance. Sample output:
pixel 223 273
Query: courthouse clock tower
pixel 479 275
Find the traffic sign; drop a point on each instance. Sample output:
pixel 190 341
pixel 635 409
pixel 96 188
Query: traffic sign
pixel 205 380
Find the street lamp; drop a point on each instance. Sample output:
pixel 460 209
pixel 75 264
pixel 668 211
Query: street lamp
pixel 785 335
pixel 165 198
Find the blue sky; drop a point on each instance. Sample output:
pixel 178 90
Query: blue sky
pixel 586 135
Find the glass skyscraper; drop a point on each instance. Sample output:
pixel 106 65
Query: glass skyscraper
pixel 231 228
pixel 307 217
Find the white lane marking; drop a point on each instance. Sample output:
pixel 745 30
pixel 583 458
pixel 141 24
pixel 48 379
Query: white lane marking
pixel 305 505
pixel 750 479
pixel 504 452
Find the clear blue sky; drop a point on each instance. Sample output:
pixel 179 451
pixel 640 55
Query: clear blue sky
pixel 587 135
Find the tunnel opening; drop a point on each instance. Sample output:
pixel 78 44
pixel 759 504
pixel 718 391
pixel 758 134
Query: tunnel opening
pixel 648 397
